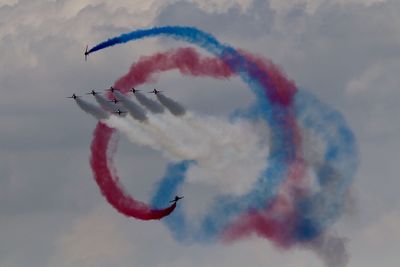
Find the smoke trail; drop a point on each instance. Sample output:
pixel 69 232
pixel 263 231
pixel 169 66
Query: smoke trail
pixel 314 212
pixel 133 129
pixel 150 104
pixel 101 162
pixel 93 110
pixel 186 60
pixel 188 34
pixel 104 103
pixel 265 80
pixel 331 249
pixel 219 147
pixel 305 213
pixel 134 110
pixel 173 106
pixel 249 70
pixel 108 182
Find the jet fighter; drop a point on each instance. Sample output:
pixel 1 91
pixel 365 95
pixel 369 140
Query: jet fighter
pixel 112 89
pixel 93 92
pixel 74 96
pixel 133 90
pixel 114 100
pixel 119 112
pixel 86 53
pixel 176 199
pixel 155 91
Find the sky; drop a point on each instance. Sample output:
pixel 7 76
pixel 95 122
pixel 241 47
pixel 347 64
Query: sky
pixel 346 52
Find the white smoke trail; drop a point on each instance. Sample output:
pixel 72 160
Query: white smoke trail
pixel 133 130
pixel 229 155
pixel 93 110
pixel 105 104
pixel 173 106
pixel 134 110
pixel 148 103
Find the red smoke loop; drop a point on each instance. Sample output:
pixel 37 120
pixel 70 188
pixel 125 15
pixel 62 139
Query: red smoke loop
pixel 188 62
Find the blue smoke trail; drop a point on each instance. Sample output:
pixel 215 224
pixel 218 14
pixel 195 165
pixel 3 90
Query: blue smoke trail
pixel 311 113
pixel 316 212
pixel 238 63
pixel 188 34
pixel 281 150
pixel 334 174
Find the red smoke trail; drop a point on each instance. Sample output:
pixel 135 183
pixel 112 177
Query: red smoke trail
pixel 188 62
pixel 276 221
pixel 109 184
pixel 271 223
pixel 277 87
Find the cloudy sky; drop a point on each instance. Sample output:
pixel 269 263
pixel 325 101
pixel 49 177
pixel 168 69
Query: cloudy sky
pixel 346 52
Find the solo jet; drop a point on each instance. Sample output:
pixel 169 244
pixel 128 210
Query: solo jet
pixel 93 92
pixel 133 90
pixel 176 199
pixel 74 96
pixel 155 91
pixel 119 112
pixel 86 53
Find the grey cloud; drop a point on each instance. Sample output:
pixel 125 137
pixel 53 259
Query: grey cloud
pixel 332 250
pixel 234 23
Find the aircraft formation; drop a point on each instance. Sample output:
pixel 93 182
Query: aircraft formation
pixel 114 99
pixel 120 112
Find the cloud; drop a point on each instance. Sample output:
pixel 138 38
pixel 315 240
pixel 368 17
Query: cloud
pixel 376 88
pixel 374 76
pixel 384 231
pixel 93 240
pixel 312 5
pixel 222 6
pixel 256 20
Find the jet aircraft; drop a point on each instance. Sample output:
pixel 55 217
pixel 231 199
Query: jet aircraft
pixel 133 90
pixel 155 91
pixel 112 89
pixel 74 96
pixel 119 112
pixel 176 199
pixel 93 92
pixel 86 53
pixel 114 100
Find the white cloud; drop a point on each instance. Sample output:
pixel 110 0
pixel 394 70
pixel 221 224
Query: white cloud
pixel 8 2
pixel 93 240
pixel 220 6
pixel 376 75
pixel 28 25
pixel 364 81
pixel 377 243
pixel 312 5
pixel 384 232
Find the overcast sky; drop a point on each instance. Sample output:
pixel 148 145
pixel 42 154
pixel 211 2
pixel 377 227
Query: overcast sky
pixel 346 52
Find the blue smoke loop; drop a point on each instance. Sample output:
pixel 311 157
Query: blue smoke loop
pixel 334 173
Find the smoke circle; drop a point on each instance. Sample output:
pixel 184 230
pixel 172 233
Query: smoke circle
pixel 280 206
